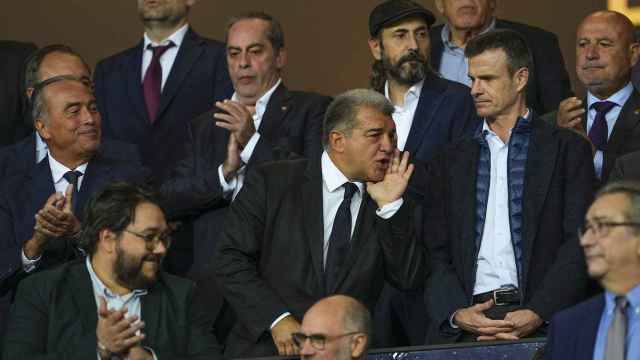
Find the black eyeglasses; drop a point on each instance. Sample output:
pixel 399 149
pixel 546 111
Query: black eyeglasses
pixel 318 341
pixel 152 240
pixel 601 228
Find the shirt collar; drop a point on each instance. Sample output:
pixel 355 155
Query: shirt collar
pixel 619 97
pixel 445 34
pixel 633 297
pixel 412 94
pixel 263 101
pixel 176 38
pixel 58 170
pixel 485 130
pixel 332 176
pixel 100 288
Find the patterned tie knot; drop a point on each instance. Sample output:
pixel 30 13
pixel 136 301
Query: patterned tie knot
pixel 603 106
pixel 349 189
pixel 72 176
pixel 159 50
pixel 621 302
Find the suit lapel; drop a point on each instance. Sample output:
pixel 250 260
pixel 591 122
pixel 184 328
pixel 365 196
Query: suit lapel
pixel 42 184
pixel 83 296
pixel 274 115
pixel 430 97
pixel 151 308
pixel 97 173
pixel 540 166
pixel 311 193
pixel 588 330
pixel 628 119
pixel 133 76
pixel 189 52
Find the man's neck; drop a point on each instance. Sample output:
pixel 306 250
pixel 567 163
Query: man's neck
pixel 460 36
pixel 71 162
pixel 397 92
pixel 623 283
pixel 104 271
pixel 503 123
pixel 603 94
pixel 159 31
pixel 339 163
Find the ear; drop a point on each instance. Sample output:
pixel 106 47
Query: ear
pixel 359 345
pixel 29 92
pixel 107 241
pixel 42 129
pixel 337 141
pixel 281 59
pixel 440 6
pixel 634 53
pixel 522 78
pixel 376 49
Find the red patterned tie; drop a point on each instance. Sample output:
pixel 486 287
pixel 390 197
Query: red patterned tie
pixel 153 80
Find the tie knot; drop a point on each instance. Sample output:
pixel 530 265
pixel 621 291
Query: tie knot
pixel 349 189
pixel 159 50
pixel 621 302
pixel 72 176
pixel 603 106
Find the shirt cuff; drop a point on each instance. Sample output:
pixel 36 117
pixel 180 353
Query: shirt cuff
pixel 390 209
pixel 28 265
pixel 277 320
pixel 451 323
pixel 227 187
pixel 246 153
pixel 151 351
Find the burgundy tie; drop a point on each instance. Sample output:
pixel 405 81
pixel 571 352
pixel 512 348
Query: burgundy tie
pixel 599 132
pixel 153 80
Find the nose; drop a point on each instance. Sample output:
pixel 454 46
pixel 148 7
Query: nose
pixel 476 88
pixel 591 52
pixel 412 42
pixel 160 248
pixel 306 350
pixel 244 60
pixel 388 142
pixel 88 116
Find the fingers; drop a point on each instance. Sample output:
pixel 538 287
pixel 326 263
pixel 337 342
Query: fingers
pixel 282 350
pixel 68 194
pixel 484 306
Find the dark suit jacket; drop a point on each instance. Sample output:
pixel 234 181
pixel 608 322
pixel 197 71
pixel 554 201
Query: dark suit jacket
pixel 269 259
pixel 558 188
pixel 20 158
pixel 627 167
pixel 290 126
pixel 21 197
pixel 198 78
pixel 625 137
pixel 549 84
pixel 55 316
pixel 12 108
pixel 572 334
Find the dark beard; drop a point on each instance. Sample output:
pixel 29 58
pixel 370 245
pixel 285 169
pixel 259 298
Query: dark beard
pixel 404 75
pixel 128 270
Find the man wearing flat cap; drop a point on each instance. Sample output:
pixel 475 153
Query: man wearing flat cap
pixel 430 112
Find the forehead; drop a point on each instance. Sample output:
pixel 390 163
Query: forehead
pixel 609 206
pixel 149 215
pixel 409 24
pixel 58 63
pixel 66 92
pixel 493 61
pixel 607 27
pixel 247 32
pixel 482 4
pixel 368 118
pixel 320 320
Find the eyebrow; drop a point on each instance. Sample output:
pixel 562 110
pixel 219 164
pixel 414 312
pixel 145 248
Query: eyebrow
pixel 251 46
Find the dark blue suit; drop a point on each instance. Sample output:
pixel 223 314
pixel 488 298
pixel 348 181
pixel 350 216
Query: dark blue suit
pixel 198 78
pixel 572 334
pixel 22 195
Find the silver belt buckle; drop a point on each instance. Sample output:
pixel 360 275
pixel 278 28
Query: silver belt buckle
pixel 495 296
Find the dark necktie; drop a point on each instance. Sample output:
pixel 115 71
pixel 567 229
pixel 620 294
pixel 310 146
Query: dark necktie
pixel 153 80
pixel 72 178
pixel 599 130
pixel 339 240
pixel 616 336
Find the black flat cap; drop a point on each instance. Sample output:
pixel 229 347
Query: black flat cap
pixel 393 10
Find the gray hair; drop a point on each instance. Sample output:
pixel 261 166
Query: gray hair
pixel 32 67
pixel 274 30
pixel 343 110
pixel 631 190
pixel 39 109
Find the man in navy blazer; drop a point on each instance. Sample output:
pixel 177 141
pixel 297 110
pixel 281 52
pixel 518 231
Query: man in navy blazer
pixel 191 74
pixel 36 220
pixel 610 239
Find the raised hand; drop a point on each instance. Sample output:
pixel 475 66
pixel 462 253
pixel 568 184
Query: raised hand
pixel 116 333
pixel 238 120
pixel 233 162
pixel 281 334
pixel 570 114
pixel 395 180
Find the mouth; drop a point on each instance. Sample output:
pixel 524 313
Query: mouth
pixel 383 164
pixel 89 132
pixel 592 66
pixel 246 79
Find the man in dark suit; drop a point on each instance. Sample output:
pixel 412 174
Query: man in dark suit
pixel 12 107
pixel 36 220
pixel 263 121
pixel 47 62
pixel 548 82
pixel 606 326
pixel 627 167
pixel 612 105
pixel 116 303
pixel 148 94
pixel 502 208
pixel 307 228
pixel 430 112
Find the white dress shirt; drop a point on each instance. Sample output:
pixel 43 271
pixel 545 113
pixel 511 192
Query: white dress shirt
pixel 403 115
pixel 496 263
pixel 332 196
pixel 168 58
pixel 115 302
pixel 41 148
pixel 233 186
pixel 619 98
pixel 60 184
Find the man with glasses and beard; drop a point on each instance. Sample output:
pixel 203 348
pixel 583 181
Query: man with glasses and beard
pixel 116 303
pixel 430 112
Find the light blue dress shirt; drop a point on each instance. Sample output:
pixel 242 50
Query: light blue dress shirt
pixel 619 98
pixel 633 325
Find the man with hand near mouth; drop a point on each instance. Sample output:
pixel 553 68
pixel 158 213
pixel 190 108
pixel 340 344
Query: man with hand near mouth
pixel 502 208
pixel 307 228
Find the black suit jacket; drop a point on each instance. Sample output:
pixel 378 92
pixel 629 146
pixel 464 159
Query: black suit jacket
pixel 55 317
pixel 558 188
pixel 549 82
pixel 198 78
pixel 269 259
pixel 572 334
pixel 12 108
pixel 627 167
pixel 291 126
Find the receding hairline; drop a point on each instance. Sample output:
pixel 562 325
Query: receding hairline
pixel 50 55
pixel 614 18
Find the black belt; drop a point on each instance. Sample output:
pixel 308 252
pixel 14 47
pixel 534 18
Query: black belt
pixel 500 297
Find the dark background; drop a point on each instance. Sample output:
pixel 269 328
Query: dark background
pixel 326 40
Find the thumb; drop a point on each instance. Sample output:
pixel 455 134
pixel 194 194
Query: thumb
pixel 485 305
pixel 102 309
pixel 68 194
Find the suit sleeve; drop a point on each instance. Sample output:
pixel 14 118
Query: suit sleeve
pixel 551 74
pixel 222 87
pixel 464 118
pixel 444 293
pixel 617 174
pixel 26 336
pixel 238 255
pixel 101 97
pixel 565 282
pixel 10 249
